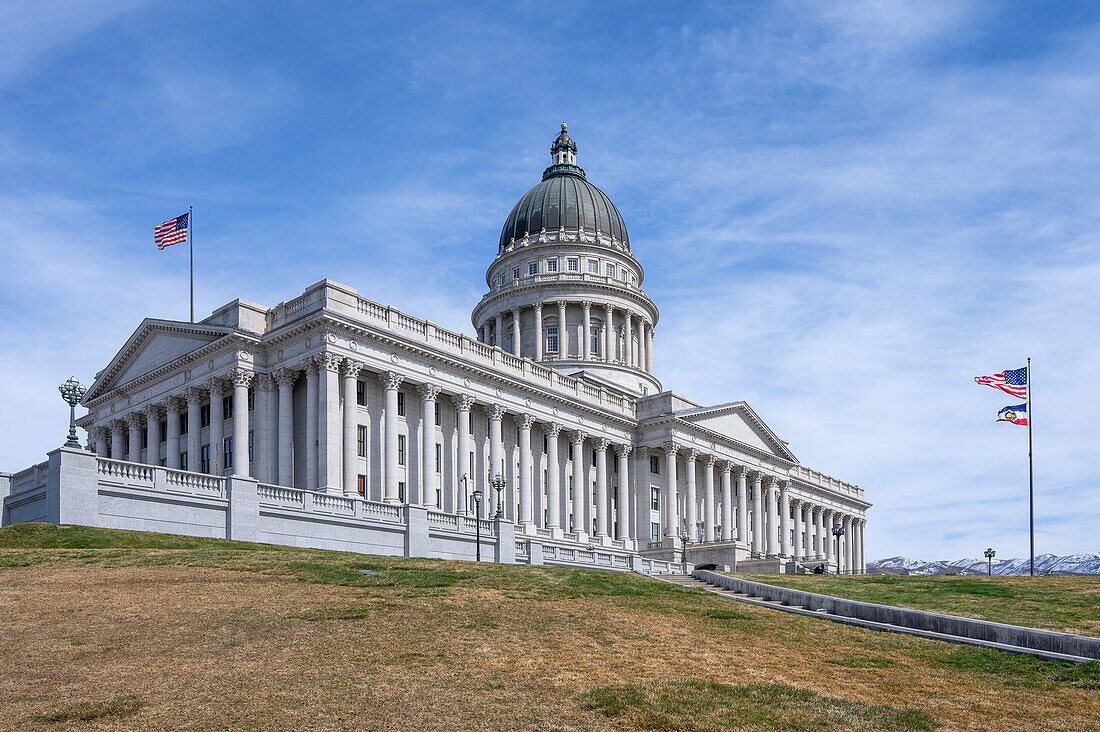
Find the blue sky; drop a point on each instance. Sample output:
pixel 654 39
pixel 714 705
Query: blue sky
pixel 845 210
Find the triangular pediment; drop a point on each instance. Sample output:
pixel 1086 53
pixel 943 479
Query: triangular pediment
pixel 154 344
pixel 739 422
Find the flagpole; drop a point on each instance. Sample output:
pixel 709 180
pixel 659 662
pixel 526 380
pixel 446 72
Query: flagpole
pixel 1030 472
pixel 191 248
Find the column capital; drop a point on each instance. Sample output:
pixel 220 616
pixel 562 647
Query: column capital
pixel 601 444
pixel 309 364
pixel 286 377
pixel 193 395
pixel 172 405
pixel 562 303
pixel 784 484
pixel 215 387
pixel 643 452
pixel 524 421
pixel 578 437
pixel 553 429
pixel 99 432
pixel 496 412
pixel 796 502
pixel 153 412
pixel 586 304
pixel 241 377
pixel 135 419
pixel 117 428
pixel 726 466
pixel 771 481
pixel 390 379
pixel 265 381
pixel 538 306
pixel 690 454
pixel 740 471
pixel 623 450
pixel 670 447
pixel 608 307
pixel 353 367
pixel 463 402
pixel 709 460
pixel 428 392
pixel 328 361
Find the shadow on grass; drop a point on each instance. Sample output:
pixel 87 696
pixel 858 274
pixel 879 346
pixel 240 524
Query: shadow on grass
pixel 695 706
pixel 86 711
pixel 1018 669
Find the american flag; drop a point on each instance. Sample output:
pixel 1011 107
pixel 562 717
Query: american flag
pixel 1013 382
pixel 172 231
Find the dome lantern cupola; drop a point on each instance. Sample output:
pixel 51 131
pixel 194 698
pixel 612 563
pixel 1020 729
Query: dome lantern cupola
pixel 565 288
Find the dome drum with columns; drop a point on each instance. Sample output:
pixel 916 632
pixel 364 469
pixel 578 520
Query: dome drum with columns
pixel 565 288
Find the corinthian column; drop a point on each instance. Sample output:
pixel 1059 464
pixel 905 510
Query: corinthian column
pixel 194 429
pixel 609 334
pixel 581 520
pixel 553 480
pixel 217 426
pixel 351 427
pixel 540 340
pixel 628 338
pixel 759 543
pixel 428 482
pixel 727 502
pixel 241 380
pixel 152 419
pixel 285 378
pixel 796 546
pixel 172 440
pixel 390 382
pixel 101 441
pixel 526 489
pixel 672 519
pixel 329 426
pixel 311 424
pixel 118 440
pixel 133 419
pixel 601 446
pixel 649 349
pixel 623 500
pixel 516 349
pixel 563 332
pixel 463 404
pixel 586 332
pixel 709 518
pixel 691 507
pixel 772 503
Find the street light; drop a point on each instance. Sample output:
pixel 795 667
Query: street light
pixel 72 392
pixel 989 554
pixel 838 531
pixel 477 519
pixel 465 488
pixel 684 549
pixel 497 482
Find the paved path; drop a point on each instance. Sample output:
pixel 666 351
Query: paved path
pixel 686 580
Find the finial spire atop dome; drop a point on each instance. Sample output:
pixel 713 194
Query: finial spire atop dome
pixel 563 156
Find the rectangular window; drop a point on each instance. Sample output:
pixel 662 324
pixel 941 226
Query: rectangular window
pixel 183 460
pixel 610 270
pixel 551 265
pixel 593 266
pixel 401 491
pixel 361 444
pixel 594 342
pixel 654 465
pixel 363 486
pixel 515 273
pixel 552 339
pixel 163 430
pixel 545 442
pixel 183 424
pixel 655 499
pixel 227 452
pixel 622 275
pixel 439 458
pixel 401 449
pixel 144 437
pixel 227 407
pixel 532 268
pixel 438 415
pixel 439 498
pixel 251 399
pixel 574 265
pixel 361 393
pixel 654 532
pixel 204 415
pixel 400 404
pixel 502 280
pixel 250 446
pixel 205 455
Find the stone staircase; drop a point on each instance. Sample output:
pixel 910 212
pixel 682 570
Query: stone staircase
pixel 689 582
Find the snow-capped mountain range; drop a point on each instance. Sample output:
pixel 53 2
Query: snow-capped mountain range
pixel 1045 563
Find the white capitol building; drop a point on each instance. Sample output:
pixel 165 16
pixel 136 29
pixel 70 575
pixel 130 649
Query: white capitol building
pixel 330 415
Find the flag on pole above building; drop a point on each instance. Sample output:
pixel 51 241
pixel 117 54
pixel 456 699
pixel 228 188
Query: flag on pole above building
pixel 1015 414
pixel 172 231
pixel 1013 382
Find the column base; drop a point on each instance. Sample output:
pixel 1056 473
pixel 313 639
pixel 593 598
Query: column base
pixel 556 532
pixel 529 529
pixel 603 539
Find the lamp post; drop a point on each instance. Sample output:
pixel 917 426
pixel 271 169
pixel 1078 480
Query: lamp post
pixel 684 550
pixel 838 531
pixel 477 519
pixel 72 392
pixel 989 554
pixel 497 482
pixel 465 487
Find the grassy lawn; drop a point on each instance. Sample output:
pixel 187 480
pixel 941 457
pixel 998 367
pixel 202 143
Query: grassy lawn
pixel 127 630
pixel 1067 604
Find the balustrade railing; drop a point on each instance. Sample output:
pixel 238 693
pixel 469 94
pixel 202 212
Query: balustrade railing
pixel 133 472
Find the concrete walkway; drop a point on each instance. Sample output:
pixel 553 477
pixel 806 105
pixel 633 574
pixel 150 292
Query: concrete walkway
pixel 687 581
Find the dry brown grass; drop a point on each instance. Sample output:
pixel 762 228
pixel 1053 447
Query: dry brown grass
pixel 206 648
